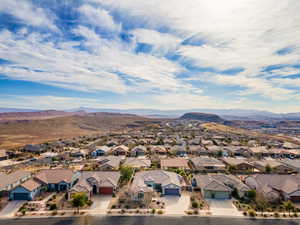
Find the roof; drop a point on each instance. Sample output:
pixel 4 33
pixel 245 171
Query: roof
pixel 285 183
pixel 234 161
pixel 295 163
pixel 207 161
pixel 54 176
pixel 264 163
pixel 103 148
pixel 7 179
pixel 158 149
pixel 174 162
pixel 31 185
pixel 139 148
pixel 121 148
pixel 157 176
pixel 113 161
pixel 3 153
pixel 207 182
pixel 99 178
pixel 260 149
pixel 137 162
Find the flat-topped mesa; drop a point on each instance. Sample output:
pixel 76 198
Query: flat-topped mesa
pixel 203 117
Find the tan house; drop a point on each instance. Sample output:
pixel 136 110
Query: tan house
pixel 174 163
pixel 275 166
pixel 207 164
pixel 238 165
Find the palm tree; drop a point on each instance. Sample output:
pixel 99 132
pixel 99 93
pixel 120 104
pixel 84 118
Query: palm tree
pixel 288 205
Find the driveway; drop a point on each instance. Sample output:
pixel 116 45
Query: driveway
pixel 100 202
pixel 11 208
pixel 175 204
pixel 223 208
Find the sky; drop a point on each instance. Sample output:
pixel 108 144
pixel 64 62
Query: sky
pixel 154 54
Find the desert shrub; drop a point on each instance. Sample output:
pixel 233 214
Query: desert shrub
pixel 160 212
pixel 251 213
pixel 245 213
pixel 276 214
pixel 195 204
pixel 153 211
pixel 52 206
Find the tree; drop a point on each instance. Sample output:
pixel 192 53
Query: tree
pixel 126 173
pixel 288 206
pixel 268 168
pixel 79 200
pixel 251 194
pixel 235 193
pixel 261 203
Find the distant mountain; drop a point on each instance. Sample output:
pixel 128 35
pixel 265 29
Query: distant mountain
pixel 203 117
pixel 228 114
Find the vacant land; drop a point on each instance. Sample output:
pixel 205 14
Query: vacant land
pixel 18 133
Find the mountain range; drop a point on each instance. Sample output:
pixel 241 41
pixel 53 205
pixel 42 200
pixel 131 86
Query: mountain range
pixel 228 114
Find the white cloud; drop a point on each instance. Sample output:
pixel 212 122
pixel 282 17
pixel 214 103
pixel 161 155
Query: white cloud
pixel 99 18
pixel 28 13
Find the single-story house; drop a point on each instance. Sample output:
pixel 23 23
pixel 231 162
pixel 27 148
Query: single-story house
pixel 120 150
pixel 39 148
pixel 207 164
pixel 211 187
pixel 109 162
pixel 238 164
pixel 11 180
pixel 26 191
pixel 179 150
pixel 197 150
pixel 97 182
pixel 234 150
pixel 79 153
pixel 57 179
pixel 138 151
pixel 100 151
pixel 159 150
pixel 276 187
pixel 139 163
pixel 174 163
pixel 3 155
pixel 292 163
pixel 259 151
pixel 276 166
pixel 147 182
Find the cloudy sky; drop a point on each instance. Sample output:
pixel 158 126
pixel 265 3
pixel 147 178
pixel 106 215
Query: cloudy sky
pixel 163 54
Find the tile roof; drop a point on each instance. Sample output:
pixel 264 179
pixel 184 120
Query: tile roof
pixel 54 176
pixel 31 185
pixel 174 162
pixel 137 162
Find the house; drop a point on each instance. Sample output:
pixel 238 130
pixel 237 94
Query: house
pixel 258 151
pixel 97 182
pixel 39 148
pixel 100 151
pixel 145 183
pixel 275 166
pixel 197 150
pixel 12 180
pixel 138 151
pixel 159 150
pixel 57 179
pixel 207 164
pixel 3 155
pixel 292 163
pixel 139 163
pixel 120 150
pixel 234 150
pixel 174 163
pixel 26 191
pixel 276 187
pixel 211 187
pixel 79 153
pixel 238 165
pixel 178 150
pixel 109 162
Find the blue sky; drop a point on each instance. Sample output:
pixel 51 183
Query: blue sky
pixel 150 54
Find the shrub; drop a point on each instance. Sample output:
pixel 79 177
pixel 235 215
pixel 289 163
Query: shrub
pixel 295 215
pixel 245 213
pixel 251 213
pixel 53 206
pixel 276 214
pixel 196 212
pixel 195 204
pixel 160 212
pixel 153 211
pixel 113 206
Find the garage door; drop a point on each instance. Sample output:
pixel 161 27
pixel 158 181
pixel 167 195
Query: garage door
pixel 21 196
pixel 172 191
pixel 221 195
pixel 106 190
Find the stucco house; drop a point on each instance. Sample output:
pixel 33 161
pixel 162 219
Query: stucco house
pixel 97 182
pixel 109 162
pixel 57 179
pixel 138 163
pixel 238 164
pixel 138 151
pixel 147 182
pixel 120 150
pixel 26 191
pixel 207 164
pixel 174 163
pixel 100 151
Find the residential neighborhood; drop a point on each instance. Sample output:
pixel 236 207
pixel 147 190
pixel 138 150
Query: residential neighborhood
pixel 167 169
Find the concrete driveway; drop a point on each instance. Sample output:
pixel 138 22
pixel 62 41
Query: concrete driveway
pixel 223 208
pixel 176 205
pixel 11 208
pixel 101 202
